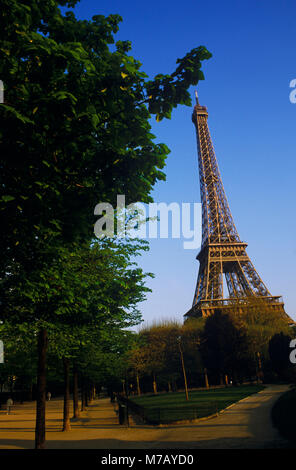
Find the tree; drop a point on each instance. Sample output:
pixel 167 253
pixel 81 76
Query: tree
pixel 279 352
pixel 192 337
pixel 160 353
pixel 137 359
pixel 87 286
pixel 225 347
pixel 81 115
pixel 262 323
pixel 154 351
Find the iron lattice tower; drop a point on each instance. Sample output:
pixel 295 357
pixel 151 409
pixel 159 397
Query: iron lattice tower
pixel 222 252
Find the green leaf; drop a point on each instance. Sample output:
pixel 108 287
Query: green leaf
pixel 7 198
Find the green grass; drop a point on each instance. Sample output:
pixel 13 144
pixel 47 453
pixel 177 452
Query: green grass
pixel 169 407
pixel 284 415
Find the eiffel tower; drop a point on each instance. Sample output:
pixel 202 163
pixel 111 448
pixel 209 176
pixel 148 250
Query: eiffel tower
pixel 224 263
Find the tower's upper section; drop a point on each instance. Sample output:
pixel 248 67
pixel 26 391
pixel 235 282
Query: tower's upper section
pixel 217 223
pixel 198 109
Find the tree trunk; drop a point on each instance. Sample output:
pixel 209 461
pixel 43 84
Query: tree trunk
pixel 86 394
pixel 41 390
pixel 260 371
pixel 76 413
pixel 82 393
pixel 206 378
pixel 91 392
pixel 154 384
pixel 138 385
pixel 66 421
pixel 184 372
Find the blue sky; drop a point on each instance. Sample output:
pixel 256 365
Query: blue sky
pixel 252 122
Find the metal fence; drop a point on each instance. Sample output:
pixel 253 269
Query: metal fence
pixel 166 415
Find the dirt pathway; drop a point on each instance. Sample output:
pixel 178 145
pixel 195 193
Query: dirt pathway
pixel 245 425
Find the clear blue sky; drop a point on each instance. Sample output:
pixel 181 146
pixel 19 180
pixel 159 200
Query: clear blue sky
pixel 252 121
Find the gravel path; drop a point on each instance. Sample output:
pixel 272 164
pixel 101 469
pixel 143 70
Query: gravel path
pixel 245 425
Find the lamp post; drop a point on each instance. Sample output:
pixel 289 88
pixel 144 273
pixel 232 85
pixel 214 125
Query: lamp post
pixel 183 367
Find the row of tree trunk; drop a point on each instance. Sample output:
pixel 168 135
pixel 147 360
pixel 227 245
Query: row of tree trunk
pixel 154 383
pixel 86 388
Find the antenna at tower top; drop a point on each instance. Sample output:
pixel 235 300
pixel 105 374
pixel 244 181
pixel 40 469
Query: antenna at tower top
pixel 196 97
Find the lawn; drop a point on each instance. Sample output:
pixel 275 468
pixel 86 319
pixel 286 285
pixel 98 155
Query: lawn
pixel 169 407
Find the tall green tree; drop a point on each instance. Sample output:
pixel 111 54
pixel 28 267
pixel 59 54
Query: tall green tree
pixel 224 346
pixel 80 112
pixel 87 289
